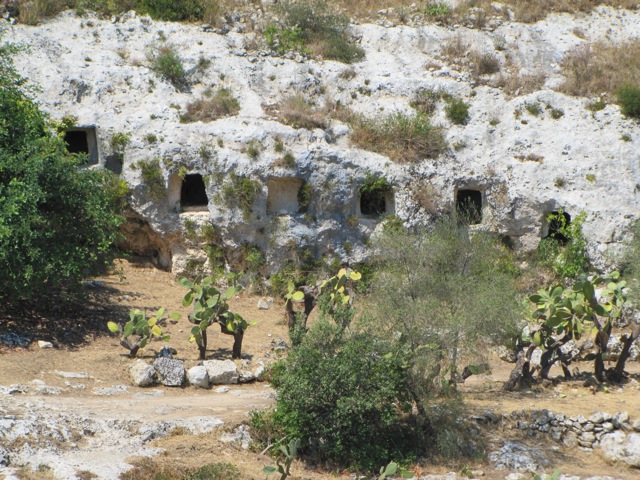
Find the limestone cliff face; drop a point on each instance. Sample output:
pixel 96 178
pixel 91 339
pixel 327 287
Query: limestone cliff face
pixel 518 166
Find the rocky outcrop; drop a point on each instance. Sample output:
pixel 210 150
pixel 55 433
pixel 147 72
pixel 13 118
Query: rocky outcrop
pixel 521 166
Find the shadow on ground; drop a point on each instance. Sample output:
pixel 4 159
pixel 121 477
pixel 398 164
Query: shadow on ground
pixel 65 323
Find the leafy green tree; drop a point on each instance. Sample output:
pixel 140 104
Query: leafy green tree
pixel 57 223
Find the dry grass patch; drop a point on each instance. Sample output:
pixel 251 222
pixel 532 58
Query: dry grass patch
pixel 402 138
pixel 368 9
pixel 297 111
pixel 592 69
pixel 220 103
pixel 514 84
pixel 152 469
pixel 425 195
pixel 528 11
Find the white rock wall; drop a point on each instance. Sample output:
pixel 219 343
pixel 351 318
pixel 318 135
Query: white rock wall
pixel 97 71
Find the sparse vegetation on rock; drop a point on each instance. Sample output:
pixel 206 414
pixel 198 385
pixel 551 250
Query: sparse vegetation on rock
pixel 215 105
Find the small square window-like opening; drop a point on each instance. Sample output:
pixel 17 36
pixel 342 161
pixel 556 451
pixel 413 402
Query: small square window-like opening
pixel 77 142
pixel 283 196
pixel 373 203
pixel 376 198
pixel 193 192
pixel 558 223
pixel 469 206
pixel 83 140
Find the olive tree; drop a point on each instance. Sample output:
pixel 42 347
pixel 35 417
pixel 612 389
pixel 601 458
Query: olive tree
pixel 442 294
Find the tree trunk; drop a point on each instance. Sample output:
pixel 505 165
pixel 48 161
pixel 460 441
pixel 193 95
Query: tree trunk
pixel 203 348
pixel 521 374
pixel 627 341
pixel 311 295
pixel 134 351
pixel 601 341
pixel 238 336
pixel 237 344
pixel 547 359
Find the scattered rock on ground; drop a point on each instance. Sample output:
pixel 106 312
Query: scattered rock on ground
pixel 278 345
pixel 198 376
pixel 221 371
pixel 166 352
pixel 43 344
pixel 108 391
pixel 517 456
pixel 72 374
pixel 240 436
pixel 259 373
pixel 621 447
pixel 142 374
pixel 14 340
pixel 246 377
pixel 262 304
pixel 170 371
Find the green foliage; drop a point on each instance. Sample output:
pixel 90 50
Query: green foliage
pixel 533 108
pixel 596 105
pixel 557 113
pixel 343 396
pixel 437 9
pixel 566 311
pixel 216 471
pixel 554 476
pixel 441 294
pixel 174 10
pixel 375 184
pixel 210 306
pixel 119 141
pixel 240 192
pixel 566 258
pixel 283 467
pixel 282 40
pixel 590 305
pixel 393 468
pixel 166 62
pixel 139 330
pixel 341 391
pixel 57 223
pixel 629 100
pixel 305 196
pixel 310 26
pixel 152 177
pixel 457 111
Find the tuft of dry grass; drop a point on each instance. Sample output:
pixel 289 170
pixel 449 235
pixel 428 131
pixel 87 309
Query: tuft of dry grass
pixel 297 111
pixel 593 69
pixel 402 138
pixel 42 472
pixel 515 84
pixel 220 103
pixel 150 469
pixel 484 63
pixel 425 195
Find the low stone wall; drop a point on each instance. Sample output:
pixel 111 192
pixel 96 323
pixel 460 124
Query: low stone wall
pixel 615 434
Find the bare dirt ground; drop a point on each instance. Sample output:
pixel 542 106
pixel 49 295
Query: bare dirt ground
pixel 104 393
